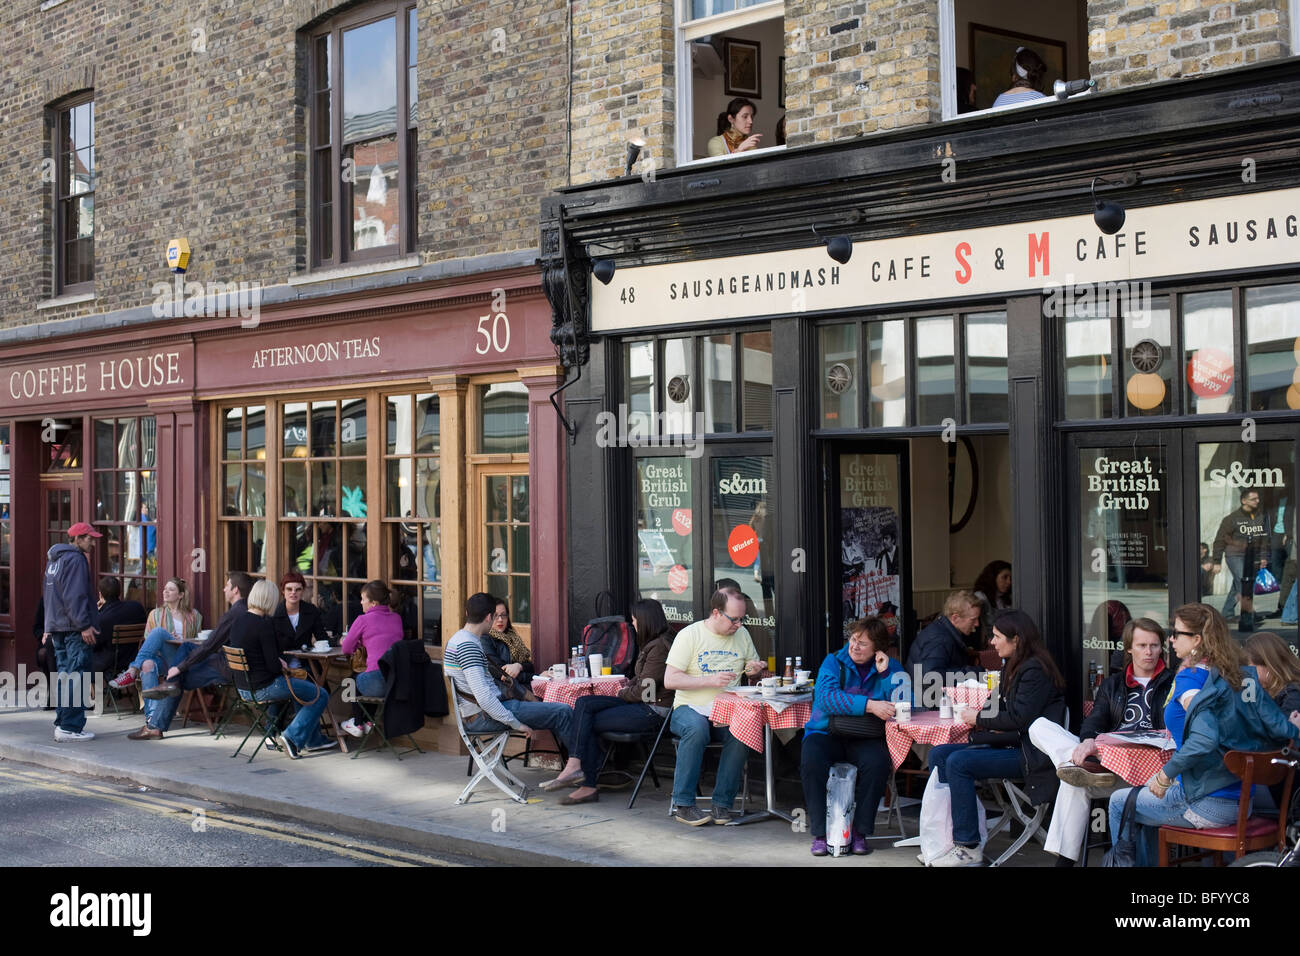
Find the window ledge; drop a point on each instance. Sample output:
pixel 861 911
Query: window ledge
pixel 60 301
pixel 731 157
pixel 51 4
pixel 352 272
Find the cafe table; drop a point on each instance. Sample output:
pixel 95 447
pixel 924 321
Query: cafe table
pixel 925 727
pixel 568 690
pixel 317 664
pixel 1135 763
pixel 752 718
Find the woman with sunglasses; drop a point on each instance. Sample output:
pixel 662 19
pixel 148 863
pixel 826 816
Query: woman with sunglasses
pixel 296 620
pixel 1208 714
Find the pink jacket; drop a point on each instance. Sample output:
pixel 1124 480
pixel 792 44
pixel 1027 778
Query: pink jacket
pixel 377 630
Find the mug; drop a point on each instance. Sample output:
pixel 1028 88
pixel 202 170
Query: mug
pixel 903 711
pixel 559 672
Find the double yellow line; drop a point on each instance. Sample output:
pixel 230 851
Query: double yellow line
pixel 351 848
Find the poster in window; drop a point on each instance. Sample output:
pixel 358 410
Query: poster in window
pixel 665 556
pixel 869 537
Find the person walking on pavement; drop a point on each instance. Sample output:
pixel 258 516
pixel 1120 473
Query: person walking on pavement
pixel 1242 542
pixel 71 623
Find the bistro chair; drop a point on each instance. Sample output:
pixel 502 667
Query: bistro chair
pixel 615 738
pixel 1249 832
pixel 1013 802
pixel 259 713
pixel 373 708
pixel 132 636
pixel 486 748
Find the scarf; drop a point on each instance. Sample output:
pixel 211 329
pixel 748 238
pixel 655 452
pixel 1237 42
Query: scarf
pixel 733 139
pixel 519 652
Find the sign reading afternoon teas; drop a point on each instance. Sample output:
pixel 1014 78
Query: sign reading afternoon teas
pixel 1201 237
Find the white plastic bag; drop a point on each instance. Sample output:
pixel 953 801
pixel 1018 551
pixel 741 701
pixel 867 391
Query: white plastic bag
pixel 936 820
pixel 840 806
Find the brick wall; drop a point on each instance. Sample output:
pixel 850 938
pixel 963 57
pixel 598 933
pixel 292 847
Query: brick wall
pixel 1132 42
pixel 201 135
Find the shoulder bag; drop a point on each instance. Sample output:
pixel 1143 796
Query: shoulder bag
pixel 1124 852
pixel 844 725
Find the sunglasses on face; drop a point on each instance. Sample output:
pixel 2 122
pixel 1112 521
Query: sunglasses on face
pixel 1174 632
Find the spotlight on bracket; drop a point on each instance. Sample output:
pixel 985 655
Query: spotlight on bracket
pixel 634 147
pixel 603 269
pixel 1109 216
pixel 839 248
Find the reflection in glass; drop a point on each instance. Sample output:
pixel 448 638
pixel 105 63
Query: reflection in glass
pixel 233 482
pixel 256 500
pixel 233 423
pixel 1087 364
pixel 639 374
pixel 986 367
pixel 324 491
pixel 887 363
pixel 756 399
pixel 399 424
pixel 719 376
pixel 104 444
pixel 353 427
pixel 294 419
pixel 936 386
pixel 497 505
pixel 400 486
pixel 1149 360
pixel 376 197
pixel 679 384
pixel 427 489
pixel 838 360
pixel 369 78
pixel 255 432
pixel 353 490
pixel 105 497
pixel 426 424
pixel 324 430
pixel 1272 347
pixel 503 418
pixel 664 528
pixel 293 493
pixel 1207 352
pixel 744 508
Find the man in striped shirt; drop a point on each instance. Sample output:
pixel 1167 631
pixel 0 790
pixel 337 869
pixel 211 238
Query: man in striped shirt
pixel 479 697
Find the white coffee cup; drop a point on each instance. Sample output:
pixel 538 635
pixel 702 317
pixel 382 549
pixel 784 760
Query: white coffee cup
pixel 958 710
pixel 802 677
pixel 769 685
pixel 595 662
pixel 903 711
pixel 321 646
pixel 559 671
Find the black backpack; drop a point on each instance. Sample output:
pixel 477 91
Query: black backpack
pixel 612 637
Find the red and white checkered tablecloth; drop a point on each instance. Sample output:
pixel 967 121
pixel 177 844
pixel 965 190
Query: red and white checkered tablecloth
pixel 970 696
pixel 747 717
pixel 924 728
pixel 1135 763
pixel 568 691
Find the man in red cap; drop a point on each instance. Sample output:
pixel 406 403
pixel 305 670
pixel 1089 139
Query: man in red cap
pixel 70 627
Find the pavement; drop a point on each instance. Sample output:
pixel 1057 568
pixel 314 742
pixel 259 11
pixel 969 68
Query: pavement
pixel 413 801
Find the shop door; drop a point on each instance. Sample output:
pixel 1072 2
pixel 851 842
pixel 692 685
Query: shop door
pixel 1241 505
pixel 868 539
pixel 502 558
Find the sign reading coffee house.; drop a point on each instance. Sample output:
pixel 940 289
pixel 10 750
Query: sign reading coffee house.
pixel 78 379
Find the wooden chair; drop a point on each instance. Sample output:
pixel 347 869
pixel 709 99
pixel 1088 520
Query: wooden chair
pixel 1249 832
pixel 125 635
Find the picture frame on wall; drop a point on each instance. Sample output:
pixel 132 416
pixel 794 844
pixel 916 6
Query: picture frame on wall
pixel 743 73
pixel 991 50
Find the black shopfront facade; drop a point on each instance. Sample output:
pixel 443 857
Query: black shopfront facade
pixel 989 376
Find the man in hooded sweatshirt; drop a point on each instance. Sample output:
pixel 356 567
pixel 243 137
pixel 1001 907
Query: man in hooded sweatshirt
pixel 71 623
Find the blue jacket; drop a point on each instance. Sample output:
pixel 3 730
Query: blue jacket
pixel 840 691
pixel 69 591
pixel 1221 719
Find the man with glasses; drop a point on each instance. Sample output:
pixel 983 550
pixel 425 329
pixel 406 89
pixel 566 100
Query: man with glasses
pixel 1242 541
pixel 705 658
pixel 941 647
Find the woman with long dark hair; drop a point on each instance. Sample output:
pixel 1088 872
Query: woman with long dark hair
pixel 735 129
pixel 1031 687
pixel 993 588
pixel 506 650
pixel 640 708
pixel 1027 73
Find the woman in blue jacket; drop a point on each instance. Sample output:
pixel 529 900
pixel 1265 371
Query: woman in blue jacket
pixel 858 679
pixel 1208 714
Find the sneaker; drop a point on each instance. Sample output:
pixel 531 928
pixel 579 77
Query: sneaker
pixel 1077 776
pixel 62 736
pixel 960 856
pixel 288 746
pixel 123 680
pixel 168 688
pixel 350 727
pixel 692 816
pixel 318 748
pixel 146 733
pixel 722 815
pixel 819 847
pixel 860 845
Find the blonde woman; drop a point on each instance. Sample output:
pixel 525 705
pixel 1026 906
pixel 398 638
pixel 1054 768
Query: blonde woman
pixel 172 620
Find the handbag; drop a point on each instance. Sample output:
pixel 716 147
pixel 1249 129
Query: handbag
pixel 359 659
pixel 1124 850
pixel 297 673
pixel 868 725
pixel 511 689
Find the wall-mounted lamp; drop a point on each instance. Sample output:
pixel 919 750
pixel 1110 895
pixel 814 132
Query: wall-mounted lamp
pixel 634 147
pixel 1109 216
pixel 603 269
pixel 839 248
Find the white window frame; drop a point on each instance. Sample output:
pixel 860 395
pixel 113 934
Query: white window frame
pixel 688 30
pixel 1295 27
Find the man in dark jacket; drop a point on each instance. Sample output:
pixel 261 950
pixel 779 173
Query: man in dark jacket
pixel 1243 542
pixel 112 612
pixel 70 627
pixel 941 646
pixel 1131 700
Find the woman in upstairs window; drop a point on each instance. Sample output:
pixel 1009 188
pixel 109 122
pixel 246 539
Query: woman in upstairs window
pixel 1027 72
pixel 735 124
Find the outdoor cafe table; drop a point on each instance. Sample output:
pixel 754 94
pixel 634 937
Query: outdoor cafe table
pixel 568 691
pixel 925 727
pixel 1134 763
pixel 317 664
pixel 752 719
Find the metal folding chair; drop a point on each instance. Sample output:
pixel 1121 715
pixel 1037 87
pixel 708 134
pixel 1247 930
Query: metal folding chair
pixel 125 635
pixel 373 708
pixel 258 712
pixel 485 750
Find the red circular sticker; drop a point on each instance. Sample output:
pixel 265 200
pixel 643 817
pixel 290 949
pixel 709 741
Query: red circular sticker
pixel 682 521
pixel 742 545
pixel 1209 373
pixel 679 579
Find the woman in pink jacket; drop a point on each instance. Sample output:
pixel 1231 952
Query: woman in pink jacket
pixel 377 629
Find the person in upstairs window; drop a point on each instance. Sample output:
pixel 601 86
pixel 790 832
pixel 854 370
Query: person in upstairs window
pixel 1027 72
pixel 735 129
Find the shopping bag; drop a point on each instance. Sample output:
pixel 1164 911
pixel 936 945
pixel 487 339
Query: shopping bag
pixel 840 806
pixel 936 820
pixel 1265 583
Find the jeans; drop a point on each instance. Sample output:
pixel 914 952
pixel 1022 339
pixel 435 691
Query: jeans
pixel 72 658
pixel 1174 810
pixel 159 713
pixel 304 731
pixel 871 757
pixel 695 732
pixel 557 718
pixel 959 766
pixel 1237 568
pixel 593 716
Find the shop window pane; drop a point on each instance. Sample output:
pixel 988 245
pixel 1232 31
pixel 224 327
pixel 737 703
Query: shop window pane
pixel 128 495
pixel 1149 360
pixel 293 493
pixel 431 552
pixel 679 384
pixel 887 362
pixel 408 608
pixel 1247 498
pixel 356 564
pixel 256 500
pixel 986 367
pixel 148 442
pixel 295 430
pixel 719 377
pixel 399 424
pixel 105 496
pixel 232 428
pixel 427 488
pixel 519 498
pixel 233 498
pixel 756 349
pixel 838 359
pixel 404 544
pixel 369 77
pixel 497 505
pixel 503 418
pixel 353 428
pixel 353 481
pixel 639 373
pixel 427 423
pixel 401 488
pixel 1208 352
pixel 376 197
pixel 1124 559
pixel 936 386
pixel 1087 366
pixel 324 492
pixel 664 523
pixel 255 432
pixel 1273 347
pixel 324 430
pixel 127 447
pixel 744 539
pixel 105 444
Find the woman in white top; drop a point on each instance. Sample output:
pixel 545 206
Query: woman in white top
pixel 1027 72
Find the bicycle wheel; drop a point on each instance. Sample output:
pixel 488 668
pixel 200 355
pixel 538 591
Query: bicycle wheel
pixel 1261 858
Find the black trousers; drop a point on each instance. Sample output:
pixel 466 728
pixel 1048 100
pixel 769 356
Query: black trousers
pixel 869 755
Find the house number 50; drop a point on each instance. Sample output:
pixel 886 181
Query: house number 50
pixel 498 339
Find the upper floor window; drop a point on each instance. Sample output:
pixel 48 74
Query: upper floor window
pixel 362 133
pixel 74 200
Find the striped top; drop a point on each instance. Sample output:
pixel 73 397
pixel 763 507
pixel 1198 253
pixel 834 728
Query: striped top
pixel 465 663
pixel 1019 96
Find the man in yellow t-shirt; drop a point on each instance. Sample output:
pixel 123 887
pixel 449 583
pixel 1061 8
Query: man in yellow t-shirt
pixel 705 658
